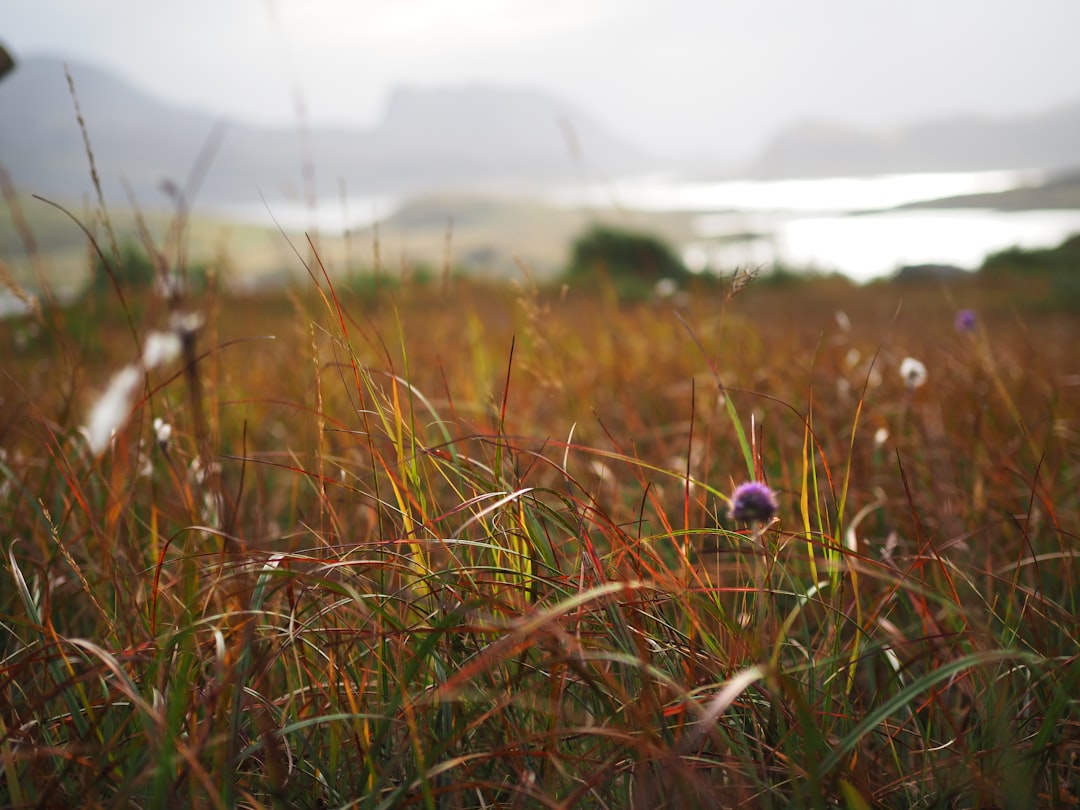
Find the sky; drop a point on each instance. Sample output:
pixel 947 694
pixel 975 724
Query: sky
pixel 679 78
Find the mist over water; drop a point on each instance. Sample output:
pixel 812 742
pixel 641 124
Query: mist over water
pixel 839 224
pixel 663 192
pixel 326 216
pixel 868 246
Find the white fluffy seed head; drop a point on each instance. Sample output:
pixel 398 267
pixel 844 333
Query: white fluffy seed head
pixel 913 372
pixel 186 323
pixel 110 411
pixel 665 288
pixel 160 348
pixel 162 431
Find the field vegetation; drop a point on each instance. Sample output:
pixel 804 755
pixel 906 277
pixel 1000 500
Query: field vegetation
pixel 453 543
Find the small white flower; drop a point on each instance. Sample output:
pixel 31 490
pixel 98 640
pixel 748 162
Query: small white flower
pixel 146 467
pixel 22 337
pixel 211 510
pixel 842 320
pixel 187 323
pixel 162 431
pixel 665 288
pixel 160 348
pixel 170 285
pixel 913 372
pixel 852 358
pixel 881 435
pixel 600 470
pixel 109 413
pixel 197 474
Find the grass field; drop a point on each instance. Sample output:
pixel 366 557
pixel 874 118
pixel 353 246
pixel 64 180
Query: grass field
pixel 486 236
pixel 465 544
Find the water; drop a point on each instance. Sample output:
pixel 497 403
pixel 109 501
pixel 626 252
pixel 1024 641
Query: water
pixel 328 216
pixel 838 224
pixel 867 246
pixel 661 192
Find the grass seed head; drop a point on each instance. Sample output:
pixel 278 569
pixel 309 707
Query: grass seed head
pixel 110 411
pixel 162 432
pixel 160 348
pixel 913 372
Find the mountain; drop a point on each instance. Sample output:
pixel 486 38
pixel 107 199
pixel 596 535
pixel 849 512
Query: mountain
pixel 475 136
pixel 1049 140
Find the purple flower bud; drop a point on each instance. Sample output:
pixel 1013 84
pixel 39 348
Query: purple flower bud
pixel 965 320
pixel 752 502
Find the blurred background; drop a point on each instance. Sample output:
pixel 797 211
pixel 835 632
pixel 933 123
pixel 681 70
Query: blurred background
pixel 838 136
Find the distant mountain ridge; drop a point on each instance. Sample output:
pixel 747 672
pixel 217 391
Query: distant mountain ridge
pixel 473 137
pixel 1049 140
pixel 477 135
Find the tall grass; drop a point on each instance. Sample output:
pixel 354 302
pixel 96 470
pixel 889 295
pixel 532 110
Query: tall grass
pixel 468 547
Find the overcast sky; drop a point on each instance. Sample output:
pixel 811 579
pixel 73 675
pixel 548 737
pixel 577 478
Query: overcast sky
pixel 677 77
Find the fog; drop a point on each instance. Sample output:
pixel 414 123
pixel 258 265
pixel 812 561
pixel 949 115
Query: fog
pixel 679 78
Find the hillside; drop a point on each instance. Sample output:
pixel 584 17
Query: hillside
pixel 479 135
pixel 1049 140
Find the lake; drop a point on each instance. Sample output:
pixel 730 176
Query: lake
pixel 838 224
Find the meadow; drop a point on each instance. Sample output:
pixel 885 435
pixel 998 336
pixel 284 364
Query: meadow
pixel 452 543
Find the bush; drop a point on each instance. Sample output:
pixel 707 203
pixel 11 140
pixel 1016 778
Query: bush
pixel 1065 258
pixel 134 271
pixel 624 256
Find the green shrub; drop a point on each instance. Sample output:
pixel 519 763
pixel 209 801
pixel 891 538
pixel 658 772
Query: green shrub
pixel 1065 258
pixel 624 256
pixel 135 270
pixel 368 285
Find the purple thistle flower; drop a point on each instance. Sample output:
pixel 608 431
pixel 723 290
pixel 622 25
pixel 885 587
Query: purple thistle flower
pixel 965 320
pixel 752 502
